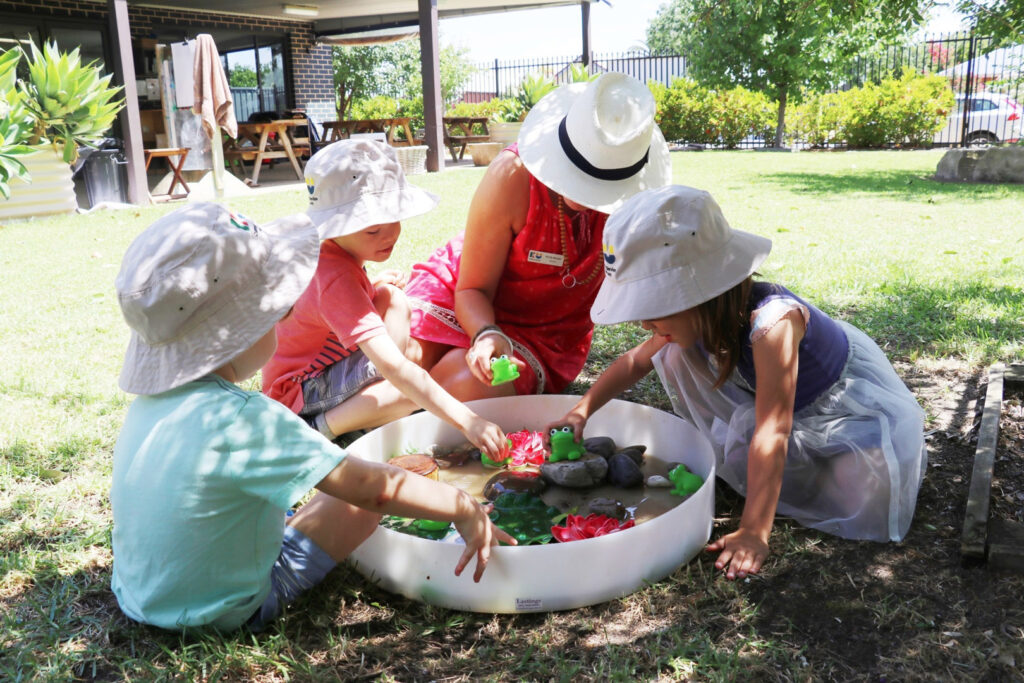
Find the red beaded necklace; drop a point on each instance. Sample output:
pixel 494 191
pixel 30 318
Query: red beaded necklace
pixel 568 279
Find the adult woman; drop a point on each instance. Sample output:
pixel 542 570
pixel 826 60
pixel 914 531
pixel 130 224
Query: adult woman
pixel 521 279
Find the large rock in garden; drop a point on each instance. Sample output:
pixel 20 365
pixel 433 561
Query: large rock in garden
pixel 993 165
pixel 1001 165
pixel 623 471
pixel 577 474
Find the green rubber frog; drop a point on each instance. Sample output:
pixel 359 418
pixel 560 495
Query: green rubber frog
pixel 564 445
pixel 487 462
pixel 686 482
pixel 503 370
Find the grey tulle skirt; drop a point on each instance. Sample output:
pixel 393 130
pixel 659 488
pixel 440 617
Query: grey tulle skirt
pixel 856 455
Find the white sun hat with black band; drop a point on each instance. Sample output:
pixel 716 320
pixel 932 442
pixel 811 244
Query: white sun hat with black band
pixel 668 250
pixel 596 143
pixel 203 284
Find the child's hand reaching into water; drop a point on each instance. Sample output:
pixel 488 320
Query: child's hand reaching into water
pixel 479 533
pixel 742 553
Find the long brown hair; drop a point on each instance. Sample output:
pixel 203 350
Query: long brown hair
pixel 720 324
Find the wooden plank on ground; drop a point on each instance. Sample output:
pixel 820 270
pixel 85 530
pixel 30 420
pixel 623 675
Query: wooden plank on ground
pixel 1006 545
pixel 974 537
pixel 1014 376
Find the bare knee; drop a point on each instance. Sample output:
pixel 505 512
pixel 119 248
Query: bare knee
pixel 391 301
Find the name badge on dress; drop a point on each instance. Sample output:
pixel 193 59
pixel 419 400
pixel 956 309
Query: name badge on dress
pixel 545 258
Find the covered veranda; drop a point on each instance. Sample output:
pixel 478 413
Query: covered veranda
pixel 332 21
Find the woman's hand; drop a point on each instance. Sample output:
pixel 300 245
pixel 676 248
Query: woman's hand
pixel 487 348
pixel 391 276
pixel 742 552
pixel 479 533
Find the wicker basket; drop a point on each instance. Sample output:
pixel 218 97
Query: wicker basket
pixel 413 159
pixel 483 153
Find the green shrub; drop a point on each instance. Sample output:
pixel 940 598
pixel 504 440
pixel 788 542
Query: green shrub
pixel 817 121
pixel 495 109
pixel 413 108
pixel 740 113
pixel 377 107
pixel 684 110
pixel 689 112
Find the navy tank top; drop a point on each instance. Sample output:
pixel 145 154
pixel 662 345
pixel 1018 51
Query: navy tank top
pixel 822 352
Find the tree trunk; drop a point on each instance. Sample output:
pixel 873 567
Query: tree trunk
pixel 780 126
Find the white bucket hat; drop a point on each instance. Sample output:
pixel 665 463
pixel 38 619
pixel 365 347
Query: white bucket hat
pixel 596 143
pixel 354 184
pixel 668 250
pixel 203 284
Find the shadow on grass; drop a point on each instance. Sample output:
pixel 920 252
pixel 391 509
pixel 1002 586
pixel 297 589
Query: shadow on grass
pixel 944 319
pixel 911 186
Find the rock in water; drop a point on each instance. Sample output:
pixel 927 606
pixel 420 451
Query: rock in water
pixel 588 471
pixel 635 452
pixel 509 481
pixel 599 445
pixel 656 481
pixel 624 472
pixel 607 506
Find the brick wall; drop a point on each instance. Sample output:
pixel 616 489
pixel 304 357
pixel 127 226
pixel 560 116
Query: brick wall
pixel 311 70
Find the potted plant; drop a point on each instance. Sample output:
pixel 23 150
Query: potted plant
pixel 58 105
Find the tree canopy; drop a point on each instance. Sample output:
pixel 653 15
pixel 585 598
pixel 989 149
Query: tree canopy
pixel 1001 19
pixel 777 47
pixel 393 69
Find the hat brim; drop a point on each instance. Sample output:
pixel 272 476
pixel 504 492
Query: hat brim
pixel 289 267
pixel 372 209
pixel 542 154
pixel 678 289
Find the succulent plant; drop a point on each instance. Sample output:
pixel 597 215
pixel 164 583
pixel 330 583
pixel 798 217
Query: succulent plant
pixel 68 102
pixel 13 128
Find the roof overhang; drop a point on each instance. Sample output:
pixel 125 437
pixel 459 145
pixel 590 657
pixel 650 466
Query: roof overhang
pixel 337 17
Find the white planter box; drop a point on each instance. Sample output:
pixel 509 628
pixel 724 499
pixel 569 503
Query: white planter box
pixel 51 190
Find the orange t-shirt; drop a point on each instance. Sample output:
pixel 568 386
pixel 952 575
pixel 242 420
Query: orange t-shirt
pixel 332 317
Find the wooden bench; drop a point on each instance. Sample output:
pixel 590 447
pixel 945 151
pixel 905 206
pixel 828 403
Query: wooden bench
pixel 458 132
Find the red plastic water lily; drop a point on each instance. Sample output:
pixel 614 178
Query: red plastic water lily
pixel 578 528
pixel 527 448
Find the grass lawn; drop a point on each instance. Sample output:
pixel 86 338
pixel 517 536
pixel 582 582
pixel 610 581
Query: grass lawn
pixel 933 271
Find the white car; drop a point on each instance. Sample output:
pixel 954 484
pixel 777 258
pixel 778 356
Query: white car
pixel 993 118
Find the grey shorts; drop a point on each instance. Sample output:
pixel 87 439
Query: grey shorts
pixel 301 565
pixel 335 385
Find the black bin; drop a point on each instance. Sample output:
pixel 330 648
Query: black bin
pixel 103 171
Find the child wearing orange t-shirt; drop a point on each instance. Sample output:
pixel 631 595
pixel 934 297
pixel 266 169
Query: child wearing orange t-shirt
pixel 341 360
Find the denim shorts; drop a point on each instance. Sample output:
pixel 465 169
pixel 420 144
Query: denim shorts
pixel 335 385
pixel 301 565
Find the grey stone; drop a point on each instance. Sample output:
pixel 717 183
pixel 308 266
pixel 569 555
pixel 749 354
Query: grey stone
pixel 1001 165
pixel 656 481
pixel 509 481
pixel 636 453
pixel 588 471
pixel 600 445
pixel 624 472
pixel 607 506
pixel 993 165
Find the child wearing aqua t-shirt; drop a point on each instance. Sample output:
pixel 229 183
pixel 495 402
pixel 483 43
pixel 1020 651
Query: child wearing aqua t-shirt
pixel 204 471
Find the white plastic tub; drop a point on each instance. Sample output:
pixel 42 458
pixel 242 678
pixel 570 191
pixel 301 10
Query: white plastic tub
pixel 550 577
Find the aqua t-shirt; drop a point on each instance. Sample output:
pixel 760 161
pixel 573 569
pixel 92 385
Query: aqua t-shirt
pixel 202 477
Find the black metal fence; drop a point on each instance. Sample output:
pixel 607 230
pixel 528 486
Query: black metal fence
pixel 988 81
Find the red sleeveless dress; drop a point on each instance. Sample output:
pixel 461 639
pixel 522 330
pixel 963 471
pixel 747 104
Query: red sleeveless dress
pixel 547 319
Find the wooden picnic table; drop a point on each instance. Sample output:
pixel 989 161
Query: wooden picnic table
pixel 342 130
pixel 268 140
pixel 458 132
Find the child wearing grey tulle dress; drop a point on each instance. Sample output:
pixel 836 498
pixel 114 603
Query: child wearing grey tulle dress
pixel 806 415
